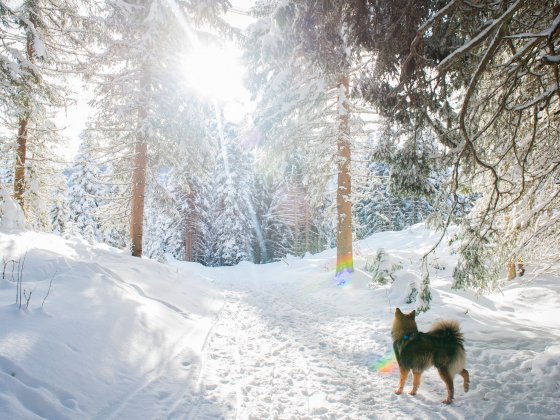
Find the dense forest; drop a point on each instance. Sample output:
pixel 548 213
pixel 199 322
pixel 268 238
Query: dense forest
pixel 368 116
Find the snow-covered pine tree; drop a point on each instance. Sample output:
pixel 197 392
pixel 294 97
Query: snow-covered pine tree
pixel 163 220
pixel 112 209
pixel 42 42
pixel 196 219
pixel 300 72
pixel 264 191
pixel 44 180
pixel 143 40
pixel 232 210
pixel 374 210
pixel 84 193
pixel 483 79
pixel 382 208
pixel 177 220
pixel 289 223
pixel 59 210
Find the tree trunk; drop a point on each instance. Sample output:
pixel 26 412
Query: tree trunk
pixel 19 173
pixel 138 192
pixel 189 230
pixel 306 226
pixel 21 152
pixel 344 255
pixel 140 163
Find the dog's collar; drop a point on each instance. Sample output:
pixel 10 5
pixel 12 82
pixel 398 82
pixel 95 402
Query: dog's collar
pixel 404 340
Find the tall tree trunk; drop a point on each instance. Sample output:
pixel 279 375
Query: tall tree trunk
pixel 189 230
pixel 344 255
pixel 306 226
pixel 21 152
pixel 140 163
pixel 189 254
pixel 138 193
pixel 19 173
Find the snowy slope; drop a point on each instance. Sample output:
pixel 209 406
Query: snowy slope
pixel 124 338
pixel 115 333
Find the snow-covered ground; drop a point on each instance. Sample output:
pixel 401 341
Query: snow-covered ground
pixel 123 338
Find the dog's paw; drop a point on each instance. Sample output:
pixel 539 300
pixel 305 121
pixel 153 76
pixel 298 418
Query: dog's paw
pixel 398 391
pixel 447 400
pixel 412 392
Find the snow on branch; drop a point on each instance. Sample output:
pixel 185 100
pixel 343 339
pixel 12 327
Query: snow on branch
pixel 550 59
pixel 477 40
pixel 554 27
pixel 545 95
pixel 547 33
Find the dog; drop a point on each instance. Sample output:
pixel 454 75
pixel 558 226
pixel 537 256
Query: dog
pixel 441 347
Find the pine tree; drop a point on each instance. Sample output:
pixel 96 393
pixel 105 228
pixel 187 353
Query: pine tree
pixel 263 248
pixel 300 64
pixel 288 221
pixel 143 39
pixel 481 80
pixel 84 193
pixel 59 211
pixel 375 209
pixel 232 208
pixel 42 43
pixel 196 220
pixel 169 221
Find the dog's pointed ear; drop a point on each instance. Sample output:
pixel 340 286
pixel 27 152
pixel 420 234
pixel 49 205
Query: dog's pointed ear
pixel 412 314
pixel 398 312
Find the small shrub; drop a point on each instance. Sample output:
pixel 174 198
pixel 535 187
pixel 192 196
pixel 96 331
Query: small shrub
pixel 382 273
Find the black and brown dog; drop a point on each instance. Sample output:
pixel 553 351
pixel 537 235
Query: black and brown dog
pixel 441 347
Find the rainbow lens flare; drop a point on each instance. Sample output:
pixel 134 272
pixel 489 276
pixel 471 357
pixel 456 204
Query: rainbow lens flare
pixel 342 278
pixel 386 364
pixel 344 269
pixel 345 263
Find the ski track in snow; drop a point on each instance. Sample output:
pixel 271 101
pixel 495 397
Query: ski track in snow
pixel 167 384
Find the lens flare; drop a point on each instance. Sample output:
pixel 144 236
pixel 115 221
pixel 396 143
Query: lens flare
pixel 385 364
pixel 344 270
pixel 343 278
pixel 345 263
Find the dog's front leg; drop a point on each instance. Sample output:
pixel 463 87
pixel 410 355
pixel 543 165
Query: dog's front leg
pixel 402 382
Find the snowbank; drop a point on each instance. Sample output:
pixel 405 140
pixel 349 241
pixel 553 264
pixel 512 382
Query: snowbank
pixel 112 327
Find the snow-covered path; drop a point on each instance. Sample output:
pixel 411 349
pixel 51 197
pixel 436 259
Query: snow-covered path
pixel 285 350
pixel 278 351
pixel 268 357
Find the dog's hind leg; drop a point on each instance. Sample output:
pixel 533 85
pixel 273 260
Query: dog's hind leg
pixel 466 379
pixel 416 377
pixel 402 381
pixel 448 380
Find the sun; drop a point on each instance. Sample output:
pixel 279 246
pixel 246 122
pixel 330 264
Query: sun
pixel 215 72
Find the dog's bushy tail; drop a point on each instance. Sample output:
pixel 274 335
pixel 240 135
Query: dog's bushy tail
pixel 448 330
